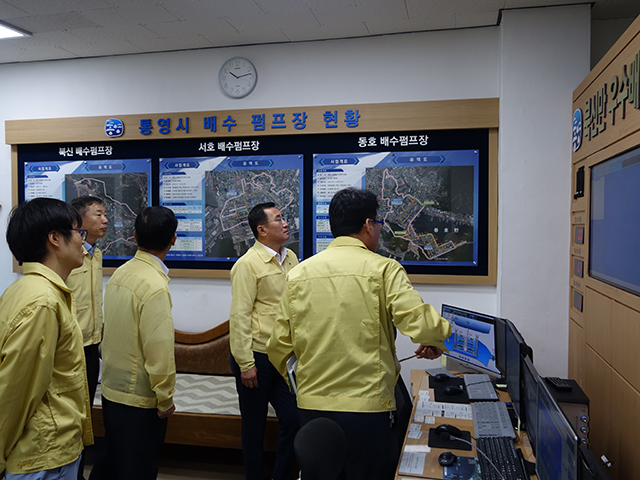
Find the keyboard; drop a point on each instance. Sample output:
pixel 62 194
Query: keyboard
pixel 502 452
pixel 491 419
pixel 479 387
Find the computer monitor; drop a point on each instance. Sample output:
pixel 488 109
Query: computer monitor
pixel 530 380
pixel 472 341
pixel 556 442
pixel 501 338
pixel 516 349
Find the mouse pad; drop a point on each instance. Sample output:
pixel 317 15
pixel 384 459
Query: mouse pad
pixel 466 468
pixel 441 397
pixel 436 442
pixel 433 383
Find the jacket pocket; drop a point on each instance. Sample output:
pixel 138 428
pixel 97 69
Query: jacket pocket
pixel 265 323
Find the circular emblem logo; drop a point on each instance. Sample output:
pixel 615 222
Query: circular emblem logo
pixel 113 127
pixel 576 135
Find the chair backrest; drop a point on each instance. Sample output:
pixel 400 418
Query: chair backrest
pixel 321 449
pixel 205 353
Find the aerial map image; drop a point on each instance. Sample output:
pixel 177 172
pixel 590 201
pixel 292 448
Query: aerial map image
pixel 428 212
pixel 231 194
pixel 124 196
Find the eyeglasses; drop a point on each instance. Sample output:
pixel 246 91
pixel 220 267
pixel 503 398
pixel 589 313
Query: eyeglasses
pixel 83 233
pixel 379 222
pixel 276 220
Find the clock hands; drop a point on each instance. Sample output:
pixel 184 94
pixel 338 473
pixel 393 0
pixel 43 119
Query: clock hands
pixel 244 75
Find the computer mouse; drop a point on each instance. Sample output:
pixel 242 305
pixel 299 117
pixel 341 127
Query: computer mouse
pixel 446 459
pixel 453 390
pixel 450 429
pixel 441 377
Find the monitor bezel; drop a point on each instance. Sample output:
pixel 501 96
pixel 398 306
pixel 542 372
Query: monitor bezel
pixel 523 350
pixel 566 424
pixel 525 364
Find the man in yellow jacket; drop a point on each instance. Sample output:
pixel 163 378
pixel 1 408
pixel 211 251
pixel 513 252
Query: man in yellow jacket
pixel 44 397
pixel 138 365
pixel 86 283
pixel 257 282
pixel 337 316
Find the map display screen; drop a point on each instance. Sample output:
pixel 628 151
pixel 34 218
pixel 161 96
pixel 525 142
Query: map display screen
pixel 123 185
pixel 428 202
pixel 212 196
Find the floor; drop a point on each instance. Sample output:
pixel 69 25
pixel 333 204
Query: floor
pixel 182 462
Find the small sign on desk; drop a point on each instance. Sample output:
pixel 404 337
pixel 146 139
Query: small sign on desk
pixel 412 463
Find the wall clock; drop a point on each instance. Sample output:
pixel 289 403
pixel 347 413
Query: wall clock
pixel 237 77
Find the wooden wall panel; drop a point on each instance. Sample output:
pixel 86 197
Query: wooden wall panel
pixel 626 334
pixel 610 316
pixel 431 115
pixel 626 423
pixel 597 320
pixel 576 352
pixel 597 386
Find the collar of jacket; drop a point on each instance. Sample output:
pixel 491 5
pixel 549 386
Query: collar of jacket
pixel 264 254
pixel 147 258
pixel 346 241
pixel 37 268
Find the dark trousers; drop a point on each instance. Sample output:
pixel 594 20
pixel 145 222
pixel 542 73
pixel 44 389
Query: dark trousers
pixel 372 450
pixel 253 407
pixel 133 440
pixel 92 359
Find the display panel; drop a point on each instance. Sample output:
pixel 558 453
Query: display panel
pixel 212 196
pixel 428 202
pixel 188 190
pixel 501 345
pixel 124 186
pixel 556 443
pixel 530 380
pixel 614 226
pixel 516 349
pixel 472 339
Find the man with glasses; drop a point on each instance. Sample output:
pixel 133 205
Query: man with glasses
pixel 257 283
pixel 44 400
pixel 337 316
pixel 86 283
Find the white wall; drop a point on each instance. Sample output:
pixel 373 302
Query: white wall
pixel 426 66
pixel 545 56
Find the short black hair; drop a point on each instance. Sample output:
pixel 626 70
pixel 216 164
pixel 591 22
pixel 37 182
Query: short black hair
pixel 257 216
pixel 349 210
pixel 155 227
pixel 31 222
pixel 83 203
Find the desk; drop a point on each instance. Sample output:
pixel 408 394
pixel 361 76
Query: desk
pixel 433 470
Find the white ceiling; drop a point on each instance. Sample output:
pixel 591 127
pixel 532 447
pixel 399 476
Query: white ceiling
pixel 64 29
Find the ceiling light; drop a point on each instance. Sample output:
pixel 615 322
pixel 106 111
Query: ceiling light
pixel 9 31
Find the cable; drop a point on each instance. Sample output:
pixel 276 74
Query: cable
pixel 447 436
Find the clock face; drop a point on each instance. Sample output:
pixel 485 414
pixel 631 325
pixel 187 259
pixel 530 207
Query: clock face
pixel 238 77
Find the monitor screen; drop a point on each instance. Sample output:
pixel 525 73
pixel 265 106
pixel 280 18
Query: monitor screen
pixel 530 380
pixel 501 337
pixel 124 185
pixel 516 348
pixel 429 202
pixel 212 197
pixel 472 341
pixel 615 203
pixel 556 443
